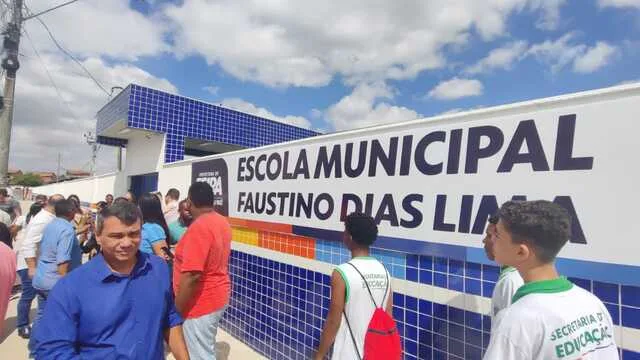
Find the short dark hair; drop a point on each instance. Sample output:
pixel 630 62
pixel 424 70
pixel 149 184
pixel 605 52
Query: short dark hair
pixel 544 225
pixel 174 194
pixel 65 207
pixel 4 192
pixel 5 235
pixel 201 194
pixel 106 196
pixel 41 197
pixel 125 211
pixel 362 228
pixel 493 219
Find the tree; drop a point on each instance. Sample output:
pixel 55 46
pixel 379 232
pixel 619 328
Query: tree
pixel 27 179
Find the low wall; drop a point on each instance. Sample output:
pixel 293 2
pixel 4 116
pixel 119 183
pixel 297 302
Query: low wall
pixel 91 189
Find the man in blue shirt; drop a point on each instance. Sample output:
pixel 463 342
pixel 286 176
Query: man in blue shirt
pixel 59 251
pixel 119 305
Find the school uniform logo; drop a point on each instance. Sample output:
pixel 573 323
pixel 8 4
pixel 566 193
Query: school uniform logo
pixel 215 173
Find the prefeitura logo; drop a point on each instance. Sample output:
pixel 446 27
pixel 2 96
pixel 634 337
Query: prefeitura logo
pixel 215 173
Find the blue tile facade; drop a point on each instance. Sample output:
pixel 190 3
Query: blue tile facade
pixel 179 117
pixel 279 309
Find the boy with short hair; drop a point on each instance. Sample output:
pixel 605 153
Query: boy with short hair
pixel 351 305
pixel 550 318
pixel 509 280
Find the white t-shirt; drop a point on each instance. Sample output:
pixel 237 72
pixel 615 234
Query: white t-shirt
pixel 508 282
pixel 5 218
pixel 31 241
pixel 358 305
pixel 171 213
pixel 552 320
pixel 20 221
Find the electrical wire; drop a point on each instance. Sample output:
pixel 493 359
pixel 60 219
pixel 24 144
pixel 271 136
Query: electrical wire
pixel 67 53
pixel 44 65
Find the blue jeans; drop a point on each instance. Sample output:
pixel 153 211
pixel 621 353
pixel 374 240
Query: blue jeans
pixel 42 302
pixel 200 335
pixel 26 298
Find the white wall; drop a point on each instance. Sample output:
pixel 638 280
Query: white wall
pixel 90 189
pixel 145 153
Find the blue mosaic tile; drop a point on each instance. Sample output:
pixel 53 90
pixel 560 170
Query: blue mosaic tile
pixel 441 264
pixel 180 117
pixel 631 317
pixel 630 355
pixel 631 296
pixel 607 292
pixel 426 277
pixel 473 270
pixel 426 262
pixel 614 311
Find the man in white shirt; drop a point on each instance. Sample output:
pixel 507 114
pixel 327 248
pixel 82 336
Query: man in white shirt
pixel 171 200
pixel 31 241
pixel 509 280
pixel 550 318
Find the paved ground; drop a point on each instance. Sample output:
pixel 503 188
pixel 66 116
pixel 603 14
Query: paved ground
pixel 15 348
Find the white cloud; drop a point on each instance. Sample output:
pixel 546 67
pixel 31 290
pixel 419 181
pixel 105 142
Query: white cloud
pixel 564 51
pixel 559 53
pixel 300 43
pixel 249 108
pixel 594 58
pixel 500 58
pixel 456 88
pixel 316 113
pixel 99 28
pixel 213 90
pixel 550 19
pixel 363 108
pixel 619 3
pixel 44 125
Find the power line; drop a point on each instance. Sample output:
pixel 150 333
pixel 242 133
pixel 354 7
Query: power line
pixel 63 50
pixel 44 65
pixel 48 10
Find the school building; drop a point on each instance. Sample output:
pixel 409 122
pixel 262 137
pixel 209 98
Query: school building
pixel 430 183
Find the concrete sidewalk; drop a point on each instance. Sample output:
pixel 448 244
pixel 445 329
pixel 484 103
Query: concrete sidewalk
pixel 15 348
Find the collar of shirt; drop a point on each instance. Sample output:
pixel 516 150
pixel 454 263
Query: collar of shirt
pixel 104 273
pixel 543 287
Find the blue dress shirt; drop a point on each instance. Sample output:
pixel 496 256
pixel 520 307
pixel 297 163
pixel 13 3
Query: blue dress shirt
pixel 58 245
pixel 94 313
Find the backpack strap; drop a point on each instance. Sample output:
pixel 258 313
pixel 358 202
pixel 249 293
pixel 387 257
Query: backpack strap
pixel 369 289
pixel 355 345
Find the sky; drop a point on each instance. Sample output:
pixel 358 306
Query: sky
pixel 326 65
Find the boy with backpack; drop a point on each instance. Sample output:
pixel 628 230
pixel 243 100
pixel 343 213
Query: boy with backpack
pixel 359 323
pixel 509 280
pixel 550 318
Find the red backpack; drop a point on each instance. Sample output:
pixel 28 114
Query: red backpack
pixel 382 340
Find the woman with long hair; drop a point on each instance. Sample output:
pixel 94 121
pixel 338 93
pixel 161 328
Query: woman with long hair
pixel 154 228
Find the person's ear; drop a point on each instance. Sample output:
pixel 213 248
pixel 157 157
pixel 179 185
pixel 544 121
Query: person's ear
pixel 524 252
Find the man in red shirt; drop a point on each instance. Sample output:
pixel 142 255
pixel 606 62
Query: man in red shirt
pixel 201 273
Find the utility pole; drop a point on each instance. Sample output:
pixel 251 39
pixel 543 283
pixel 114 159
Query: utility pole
pixel 93 142
pixel 11 65
pixel 58 168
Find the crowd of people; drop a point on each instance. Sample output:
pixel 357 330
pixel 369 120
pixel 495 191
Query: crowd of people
pixel 158 274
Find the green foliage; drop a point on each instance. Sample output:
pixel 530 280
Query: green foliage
pixel 27 179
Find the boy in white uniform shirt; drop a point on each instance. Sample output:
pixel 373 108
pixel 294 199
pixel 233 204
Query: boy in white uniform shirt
pixel 509 280
pixel 550 318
